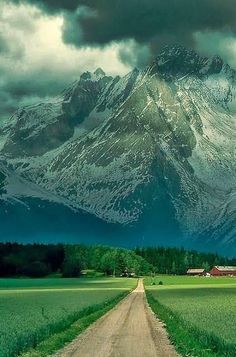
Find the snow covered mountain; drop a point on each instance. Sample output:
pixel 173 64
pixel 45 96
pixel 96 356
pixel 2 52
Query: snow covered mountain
pixel 152 153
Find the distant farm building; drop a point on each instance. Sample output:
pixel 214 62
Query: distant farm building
pixel 223 271
pixel 196 272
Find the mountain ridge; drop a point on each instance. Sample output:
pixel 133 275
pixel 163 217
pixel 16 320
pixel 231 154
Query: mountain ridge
pixel 122 149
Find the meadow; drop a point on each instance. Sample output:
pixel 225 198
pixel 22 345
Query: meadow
pixel 32 310
pixel 199 313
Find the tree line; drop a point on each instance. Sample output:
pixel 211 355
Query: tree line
pixel 179 260
pixel 33 260
pixel 39 260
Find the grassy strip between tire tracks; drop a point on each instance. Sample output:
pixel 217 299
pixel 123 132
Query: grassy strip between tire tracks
pixel 58 340
pixel 188 340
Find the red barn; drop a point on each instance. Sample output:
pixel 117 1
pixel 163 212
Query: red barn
pixel 223 271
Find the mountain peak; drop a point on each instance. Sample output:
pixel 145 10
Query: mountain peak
pixel 99 73
pixel 95 76
pixel 86 76
pixel 168 51
pixel 179 60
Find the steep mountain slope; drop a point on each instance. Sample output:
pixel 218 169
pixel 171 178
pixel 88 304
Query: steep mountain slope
pixel 153 149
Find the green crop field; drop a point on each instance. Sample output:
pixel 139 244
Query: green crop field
pixel 172 280
pixel 66 283
pixel 199 313
pixel 31 310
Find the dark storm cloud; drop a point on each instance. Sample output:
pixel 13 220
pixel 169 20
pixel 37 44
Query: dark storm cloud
pixel 147 21
pixel 154 20
pixel 140 27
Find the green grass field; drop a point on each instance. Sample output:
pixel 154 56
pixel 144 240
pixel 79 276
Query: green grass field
pixel 172 280
pixel 199 313
pixel 32 310
pixel 65 283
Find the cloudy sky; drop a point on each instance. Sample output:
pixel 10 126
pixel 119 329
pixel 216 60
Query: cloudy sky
pixel 47 44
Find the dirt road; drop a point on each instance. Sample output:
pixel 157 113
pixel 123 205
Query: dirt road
pixel 128 330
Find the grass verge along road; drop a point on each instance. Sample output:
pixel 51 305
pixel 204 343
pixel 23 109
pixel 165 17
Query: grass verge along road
pixel 199 313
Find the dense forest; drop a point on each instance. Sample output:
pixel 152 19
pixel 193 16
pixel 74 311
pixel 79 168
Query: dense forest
pixel 38 260
pixel 179 260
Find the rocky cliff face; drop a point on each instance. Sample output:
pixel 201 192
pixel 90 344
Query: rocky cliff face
pixel 154 146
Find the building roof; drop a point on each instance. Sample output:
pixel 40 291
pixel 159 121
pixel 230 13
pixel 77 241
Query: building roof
pixel 225 268
pixel 195 271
